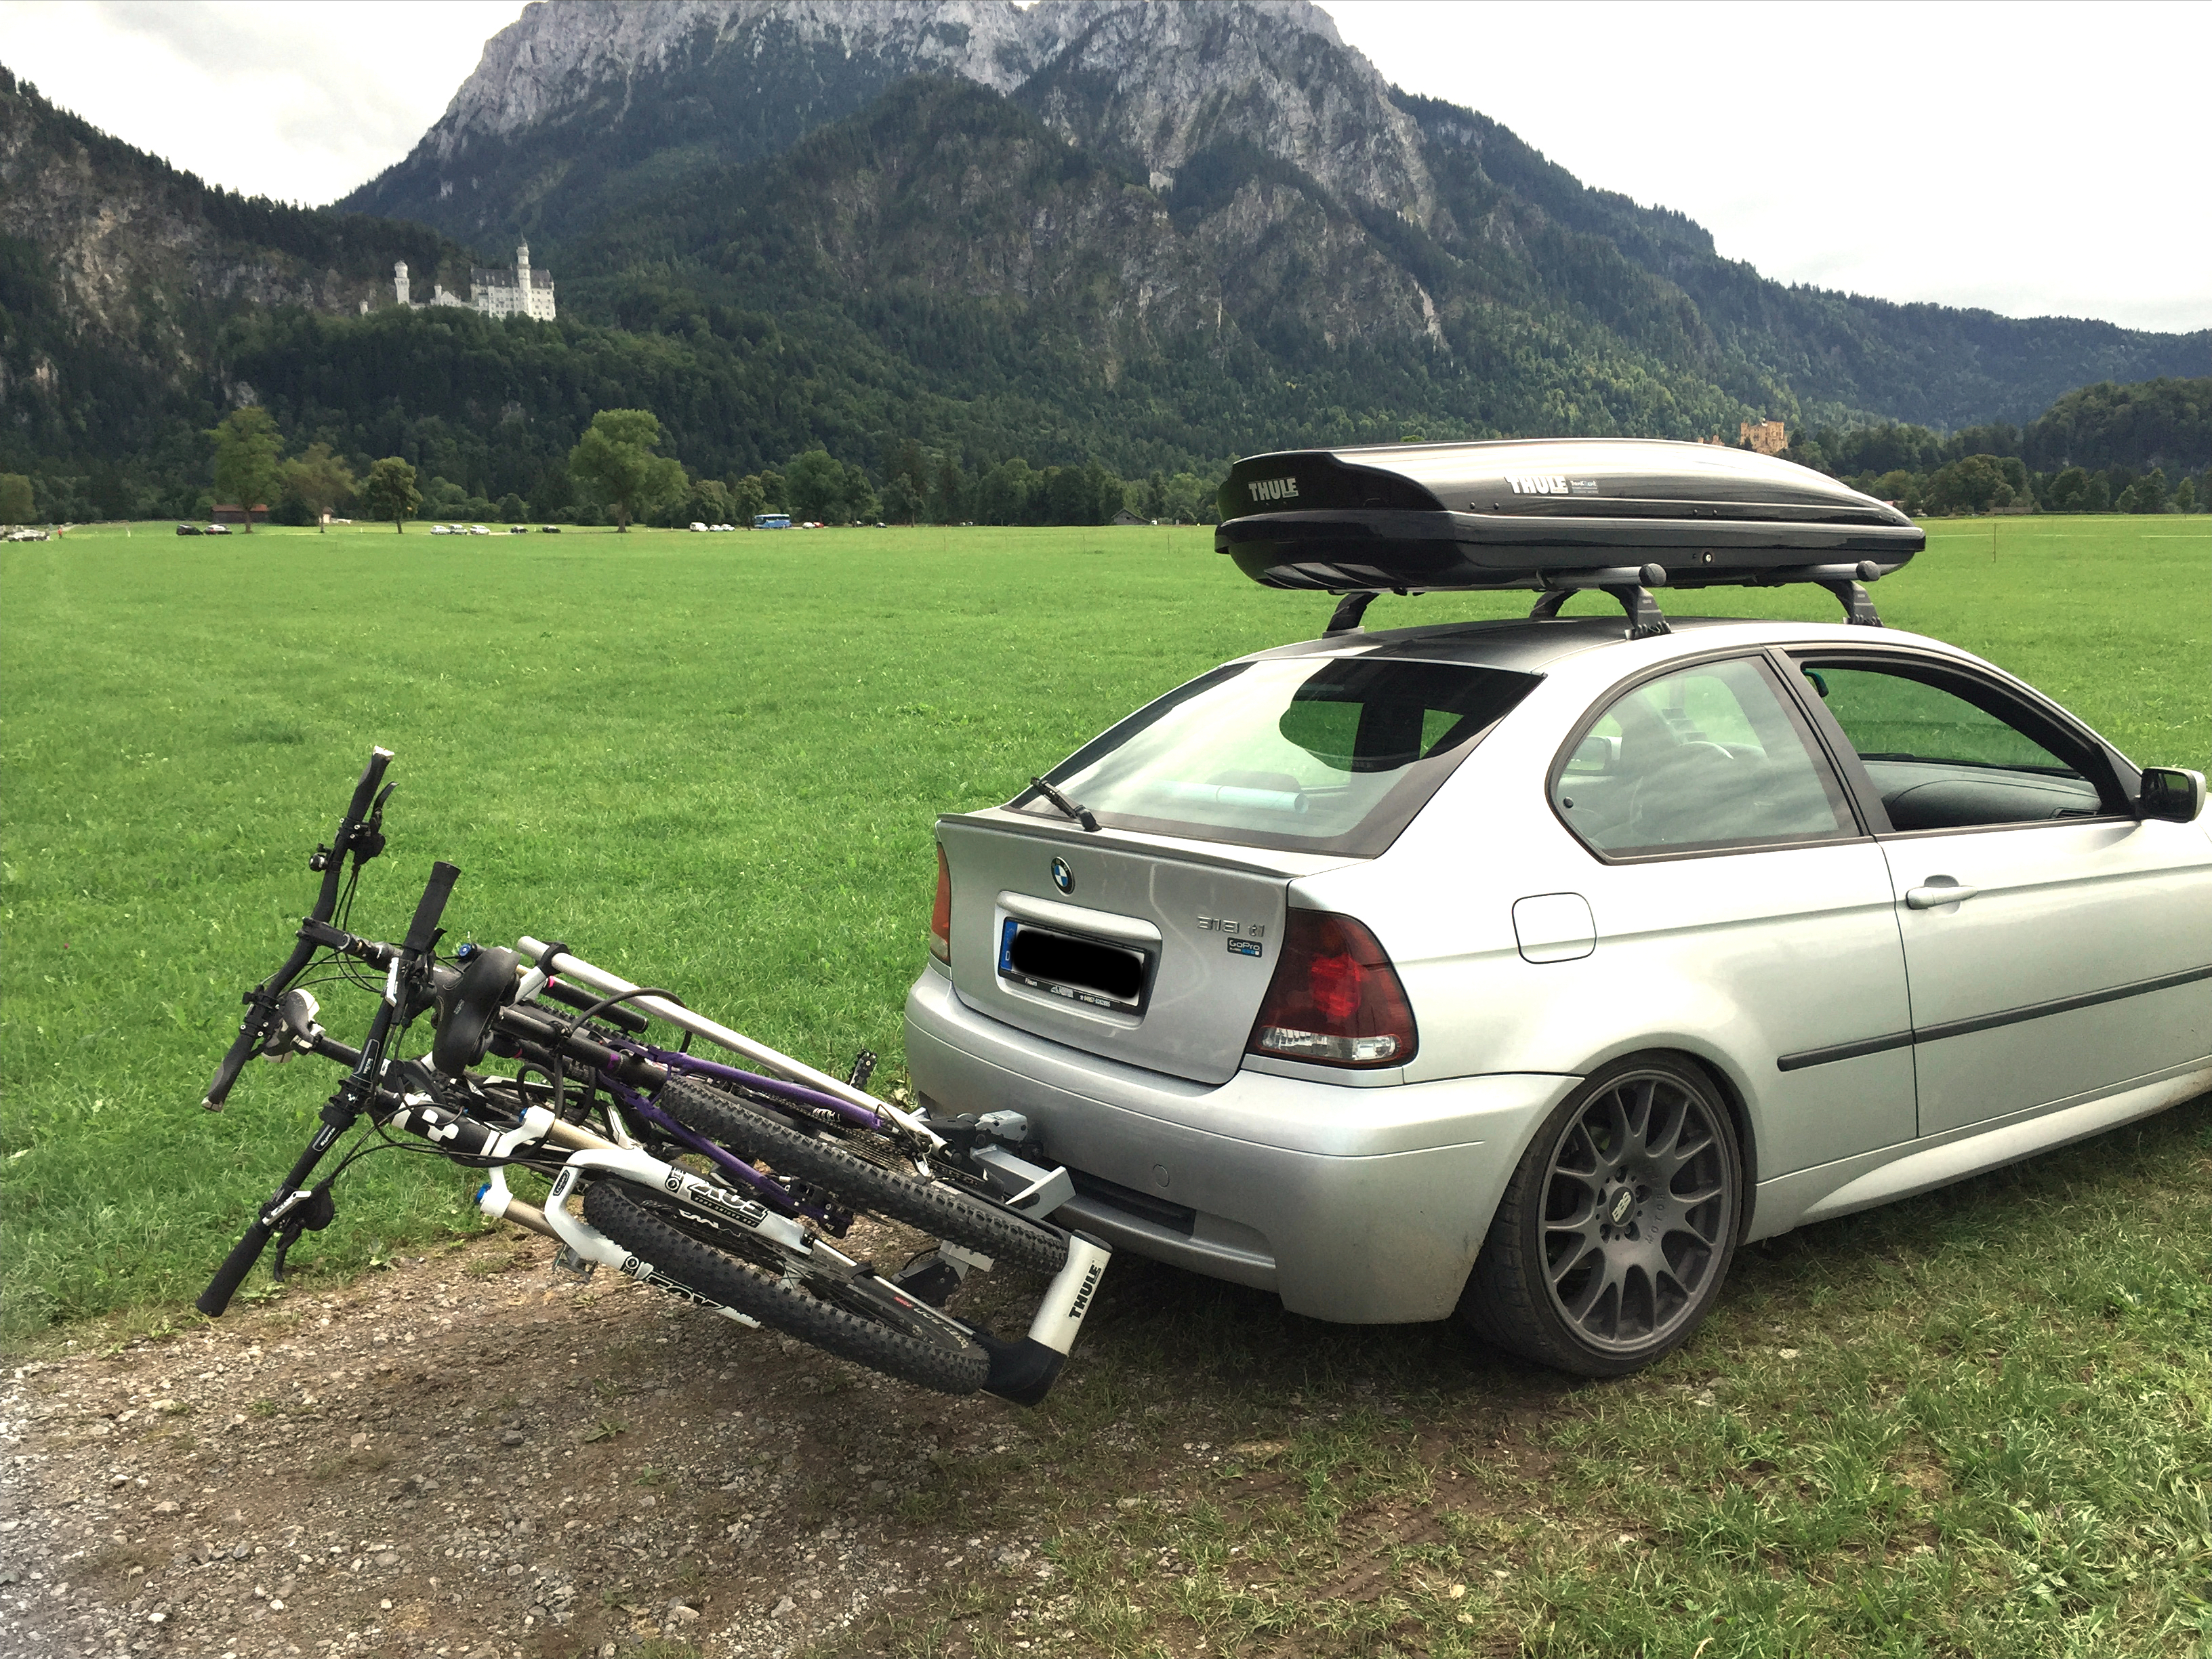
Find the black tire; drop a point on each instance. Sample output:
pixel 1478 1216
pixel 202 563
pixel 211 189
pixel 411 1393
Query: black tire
pixel 720 1277
pixel 942 1211
pixel 1615 1235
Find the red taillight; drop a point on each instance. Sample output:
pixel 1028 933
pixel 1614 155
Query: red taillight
pixel 1335 1000
pixel 940 913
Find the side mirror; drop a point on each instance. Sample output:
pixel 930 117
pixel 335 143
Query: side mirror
pixel 2171 794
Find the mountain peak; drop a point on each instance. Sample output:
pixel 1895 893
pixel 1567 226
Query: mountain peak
pixel 574 95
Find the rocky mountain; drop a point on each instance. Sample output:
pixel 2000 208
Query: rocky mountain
pixel 1295 185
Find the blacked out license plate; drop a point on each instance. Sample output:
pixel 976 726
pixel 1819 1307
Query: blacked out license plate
pixel 1086 971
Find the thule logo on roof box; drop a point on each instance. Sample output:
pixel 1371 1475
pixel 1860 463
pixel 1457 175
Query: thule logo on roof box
pixel 1273 490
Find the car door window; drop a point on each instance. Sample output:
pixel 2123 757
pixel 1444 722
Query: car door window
pixel 1711 758
pixel 1941 761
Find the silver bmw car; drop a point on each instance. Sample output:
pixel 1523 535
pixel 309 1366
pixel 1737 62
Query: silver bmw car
pixel 1522 971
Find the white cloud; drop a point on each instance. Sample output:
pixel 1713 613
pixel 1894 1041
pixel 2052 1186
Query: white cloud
pixel 2037 159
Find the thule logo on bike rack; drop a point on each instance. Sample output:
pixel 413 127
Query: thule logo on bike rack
pixel 1537 483
pixel 1273 490
pixel 1082 1303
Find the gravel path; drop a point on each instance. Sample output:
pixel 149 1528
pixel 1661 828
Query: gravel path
pixel 466 1456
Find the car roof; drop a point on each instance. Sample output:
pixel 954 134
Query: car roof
pixel 1533 646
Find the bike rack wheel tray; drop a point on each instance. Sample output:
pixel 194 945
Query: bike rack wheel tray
pixel 1559 515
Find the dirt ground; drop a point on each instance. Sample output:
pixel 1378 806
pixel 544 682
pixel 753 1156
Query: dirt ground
pixel 469 1457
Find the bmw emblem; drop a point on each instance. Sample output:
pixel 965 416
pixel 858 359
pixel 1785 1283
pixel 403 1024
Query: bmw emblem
pixel 1062 876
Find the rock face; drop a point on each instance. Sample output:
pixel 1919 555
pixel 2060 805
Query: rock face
pixel 578 93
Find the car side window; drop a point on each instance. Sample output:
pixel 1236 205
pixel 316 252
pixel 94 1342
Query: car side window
pixel 1941 761
pixel 1711 758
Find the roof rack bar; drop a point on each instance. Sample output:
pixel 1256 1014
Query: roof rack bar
pixel 1846 581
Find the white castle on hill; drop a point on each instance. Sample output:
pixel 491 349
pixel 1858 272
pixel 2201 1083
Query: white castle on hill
pixel 496 291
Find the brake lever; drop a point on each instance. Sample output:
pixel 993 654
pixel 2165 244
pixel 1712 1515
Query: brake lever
pixel 316 1213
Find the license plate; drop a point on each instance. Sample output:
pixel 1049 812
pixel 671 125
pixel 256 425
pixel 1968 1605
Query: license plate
pixel 1085 971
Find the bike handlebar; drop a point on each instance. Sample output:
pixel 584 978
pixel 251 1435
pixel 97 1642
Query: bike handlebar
pixel 261 1001
pixel 414 966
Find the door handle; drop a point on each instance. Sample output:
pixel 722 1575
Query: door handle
pixel 1933 897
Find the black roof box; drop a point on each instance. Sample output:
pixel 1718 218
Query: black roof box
pixel 1549 512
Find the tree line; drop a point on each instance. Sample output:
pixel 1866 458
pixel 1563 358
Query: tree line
pixel 2145 447
pixel 615 473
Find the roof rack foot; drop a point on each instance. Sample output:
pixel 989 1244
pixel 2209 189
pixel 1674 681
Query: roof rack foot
pixel 1349 610
pixel 1857 607
pixel 1645 620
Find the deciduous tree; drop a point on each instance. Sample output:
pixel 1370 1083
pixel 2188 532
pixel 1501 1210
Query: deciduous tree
pixel 17 504
pixel 615 460
pixel 390 492
pixel 321 480
pixel 246 467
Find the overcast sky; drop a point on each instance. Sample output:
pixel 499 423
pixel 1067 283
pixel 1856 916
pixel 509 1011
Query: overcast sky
pixel 2035 159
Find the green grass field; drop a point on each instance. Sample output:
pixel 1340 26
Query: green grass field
pixel 713 762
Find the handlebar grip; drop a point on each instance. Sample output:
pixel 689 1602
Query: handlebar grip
pixel 365 791
pixel 233 1064
pixel 423 932
pixel 235 1266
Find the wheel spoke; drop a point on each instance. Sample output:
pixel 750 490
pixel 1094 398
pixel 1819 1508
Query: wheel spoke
pixel 1679 1157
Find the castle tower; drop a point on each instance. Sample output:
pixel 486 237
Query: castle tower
pixel 399 281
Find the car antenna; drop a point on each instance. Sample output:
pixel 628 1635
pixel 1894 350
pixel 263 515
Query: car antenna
pixel 1075 810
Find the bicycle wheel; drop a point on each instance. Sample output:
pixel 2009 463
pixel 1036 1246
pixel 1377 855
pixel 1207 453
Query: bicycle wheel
pixel 942 1211
pixel 626 1214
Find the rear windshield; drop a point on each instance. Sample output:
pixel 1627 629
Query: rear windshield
pixel 1333 755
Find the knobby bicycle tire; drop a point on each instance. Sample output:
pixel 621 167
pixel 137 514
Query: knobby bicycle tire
pixel 939 1211
pixel 722 1278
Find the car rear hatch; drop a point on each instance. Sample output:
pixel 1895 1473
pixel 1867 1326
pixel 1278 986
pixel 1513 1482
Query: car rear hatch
pixel 1137 948
pixel 1133 904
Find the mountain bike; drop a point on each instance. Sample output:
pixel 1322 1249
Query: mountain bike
pixel 661 1149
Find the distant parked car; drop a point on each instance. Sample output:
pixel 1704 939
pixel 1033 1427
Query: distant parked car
pixel 698 527
pixel 479 529
pixel 549 529
pixel 1527 969
pixel 217 530
pixel 188 530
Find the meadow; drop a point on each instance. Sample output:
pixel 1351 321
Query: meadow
pixel 1976 1423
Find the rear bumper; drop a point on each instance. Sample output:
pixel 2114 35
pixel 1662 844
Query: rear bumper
pixel 1361 1206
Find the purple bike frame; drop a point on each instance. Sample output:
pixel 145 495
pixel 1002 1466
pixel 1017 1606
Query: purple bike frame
pixel 770 1191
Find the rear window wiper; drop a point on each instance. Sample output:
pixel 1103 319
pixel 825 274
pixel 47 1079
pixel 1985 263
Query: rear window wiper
pixel 1074 810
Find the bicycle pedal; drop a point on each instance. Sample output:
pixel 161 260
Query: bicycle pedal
pixel 864 1064
pixel 566 1260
